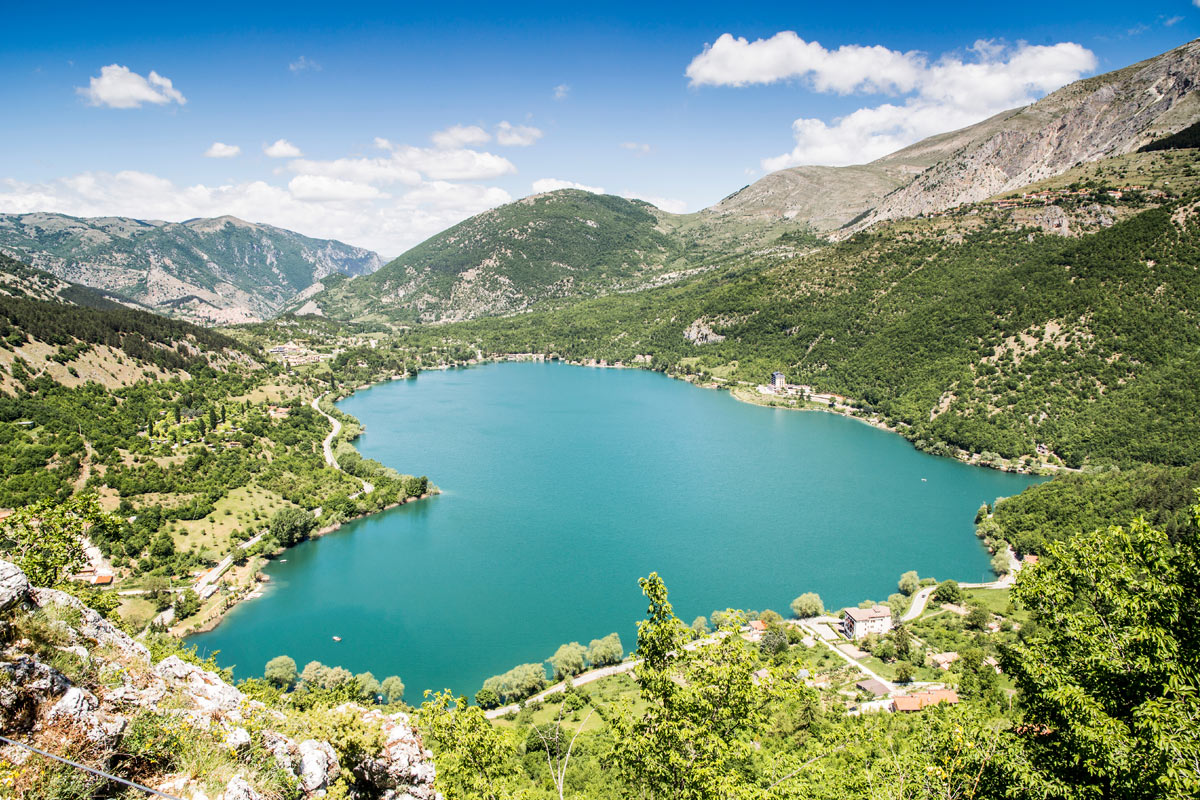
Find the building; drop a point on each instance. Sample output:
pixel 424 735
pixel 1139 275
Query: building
pixel 872 686
pixel 778 382
pixel 916 702
pixel 860 622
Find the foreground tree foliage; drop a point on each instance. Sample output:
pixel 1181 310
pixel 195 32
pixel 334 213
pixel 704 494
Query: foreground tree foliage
pixel 1110 678
pixel 45 539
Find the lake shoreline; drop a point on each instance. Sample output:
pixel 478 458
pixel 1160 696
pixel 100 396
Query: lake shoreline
pixel 244 591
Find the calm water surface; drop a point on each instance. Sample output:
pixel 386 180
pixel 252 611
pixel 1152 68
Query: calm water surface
pixel 562 486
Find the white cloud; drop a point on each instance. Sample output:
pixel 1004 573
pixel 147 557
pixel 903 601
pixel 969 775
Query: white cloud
pixel 323 187
pixel 665 203
pixel 314 205
pixel 738 62
pixel 460 135
pixel 456 164
pixel 361 170
pixel 1172 20
pixel 637 147
pixel 282 148
pixel 511 135
pixel 302 63
pixel 554 184
pixel 562 90
pixel 950 93
pixel 222 150
pixel 119 87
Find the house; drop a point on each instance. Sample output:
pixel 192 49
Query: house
pixel 1030 560
pixel 102 579
pixel 758 625
pixel 916 702
pixel 860 622
pixel 944 660
pixel 778 381
pixel 872 686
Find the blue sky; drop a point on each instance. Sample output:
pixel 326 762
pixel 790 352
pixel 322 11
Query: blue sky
pixel 663 103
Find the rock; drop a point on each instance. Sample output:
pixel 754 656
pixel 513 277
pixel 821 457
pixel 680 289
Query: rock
pixel 29 683
pixel 238 789
pixel 404 768
pixel 77 708
pixel 206 689
pixel 14 586
pixel 283 749
pixel 92 626
pixel 238 738
pixel 318 765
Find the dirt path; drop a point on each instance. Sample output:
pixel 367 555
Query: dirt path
pixel 327 446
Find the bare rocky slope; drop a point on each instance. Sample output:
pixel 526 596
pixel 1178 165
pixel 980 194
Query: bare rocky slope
pixel 1091 119
pixel 212 271
pixel 73 684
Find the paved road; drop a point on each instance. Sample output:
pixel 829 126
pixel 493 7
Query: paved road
pixel 862 667
pixel 207 579
pixel 919 601
pixel 327 446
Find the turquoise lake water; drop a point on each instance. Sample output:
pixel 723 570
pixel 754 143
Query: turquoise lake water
pixel 562 486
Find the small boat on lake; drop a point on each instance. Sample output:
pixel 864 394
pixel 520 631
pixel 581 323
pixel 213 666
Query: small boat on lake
pixel 337 638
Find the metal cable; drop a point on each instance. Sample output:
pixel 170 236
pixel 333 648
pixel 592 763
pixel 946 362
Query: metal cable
pixel 85 768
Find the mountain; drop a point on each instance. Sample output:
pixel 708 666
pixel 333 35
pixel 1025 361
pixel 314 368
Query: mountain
pixel 570 245
pixel 563 244
pixel 1067 323
pixel 211 271
pixel 1090 119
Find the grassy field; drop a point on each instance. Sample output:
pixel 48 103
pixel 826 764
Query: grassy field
pixel 604 693
pixel 244 508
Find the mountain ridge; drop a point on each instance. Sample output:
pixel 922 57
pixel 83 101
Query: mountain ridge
pixel 207 270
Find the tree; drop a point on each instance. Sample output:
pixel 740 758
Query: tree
pixel 292 525
pixel 187 603
pixel 700 626
pixel 605 652
pixel 45 539
pixel 1000 564
pixel 473 757
pixel 808 605
pixel 904 672
pixel 977 618
pixel 568 660
pixel 392 688
pixel 703 710
pixel 314 674
pixel 1110 673
pixel 909 582
pixel 163 547
pixel 368 686
pixel 281 672
pixel 487 698
pixel 948 592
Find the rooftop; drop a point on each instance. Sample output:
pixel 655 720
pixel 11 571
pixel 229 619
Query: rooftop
pixel 868 614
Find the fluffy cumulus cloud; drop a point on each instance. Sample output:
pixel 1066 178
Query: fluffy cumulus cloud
pixel 511 135
pixel 387 202
pixel 460 136
pixel 222 150
pixel 282 148
pixel 304 63
pixel 554 184
pixel 641 148
pixel 562 91
pixel 932 96
pixel 118 86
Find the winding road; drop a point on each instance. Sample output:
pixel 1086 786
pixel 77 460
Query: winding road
pixel 327 445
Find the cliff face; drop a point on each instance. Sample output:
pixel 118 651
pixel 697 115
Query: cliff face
pixel 1095 118
pixel 73 684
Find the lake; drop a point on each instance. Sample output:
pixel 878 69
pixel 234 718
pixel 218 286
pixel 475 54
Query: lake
pixel 562 486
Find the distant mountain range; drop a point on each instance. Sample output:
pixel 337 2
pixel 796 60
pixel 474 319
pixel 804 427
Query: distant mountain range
pixel 572 245
pixel 212 271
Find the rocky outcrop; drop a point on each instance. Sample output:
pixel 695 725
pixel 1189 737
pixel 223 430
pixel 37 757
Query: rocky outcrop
pixel 118 686
pixel 1088 120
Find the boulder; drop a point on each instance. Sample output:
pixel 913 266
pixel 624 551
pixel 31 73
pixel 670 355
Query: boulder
pixel 238 789
pixel 14 586
pixel 318 765
pixel 208 692
pixel 92 626
pixel 77 709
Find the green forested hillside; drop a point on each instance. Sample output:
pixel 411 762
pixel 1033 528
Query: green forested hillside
pixel 562 246
pixel 971 332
